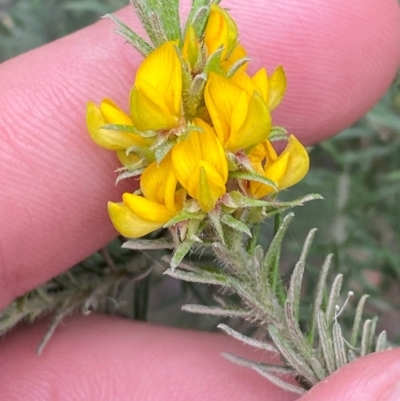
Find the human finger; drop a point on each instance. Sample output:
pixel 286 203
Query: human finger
pixel 373 378
pixel 107 358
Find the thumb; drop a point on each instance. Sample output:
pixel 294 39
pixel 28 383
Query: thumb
pixel 373 378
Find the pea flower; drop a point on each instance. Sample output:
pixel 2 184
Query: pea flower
pixel 241 118
pixel 110 113
pixel 156 98
pixel 139 215
pixel 200 165
pixel 284 170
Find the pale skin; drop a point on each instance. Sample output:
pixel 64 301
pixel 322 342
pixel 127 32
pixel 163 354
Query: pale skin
pixel 340 57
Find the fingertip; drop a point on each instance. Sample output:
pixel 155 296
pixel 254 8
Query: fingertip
pixel 366 379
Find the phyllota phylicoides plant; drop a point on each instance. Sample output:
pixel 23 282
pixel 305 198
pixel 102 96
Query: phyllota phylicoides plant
pixel 199 138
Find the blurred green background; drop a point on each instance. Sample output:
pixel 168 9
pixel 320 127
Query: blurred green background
pixel 357 172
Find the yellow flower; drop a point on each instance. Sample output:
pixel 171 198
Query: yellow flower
pixel 140 215
pixel 284 170
pixel 272 89
pixel 200 165
pixel 221 30
pixel 110 113
pixel 156 98
pixel 240 119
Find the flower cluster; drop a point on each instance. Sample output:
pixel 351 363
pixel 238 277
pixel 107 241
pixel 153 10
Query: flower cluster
pixel 198 131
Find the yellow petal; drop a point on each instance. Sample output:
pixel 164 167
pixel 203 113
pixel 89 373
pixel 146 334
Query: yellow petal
pixel 158 183
pixel 221 96
pixel 260 80
pixel 274 173
pixel 127 160
pixel 147 209
pixel 277 88
pixel 206 185
pixel 239 114
pixel 109 139
pixel 298 163
pixel 204 196
pixel 238 53
pixel 158 89
pixel 113 114
pixel 200 164
pixel 221 30
pixel 255 127
pixel 127 223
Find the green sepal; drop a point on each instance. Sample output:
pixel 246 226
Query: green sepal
pixel 251 176
pixel 236 200
pixel 235 224
pixel 198 16
pixel 129 174
pixel 277 134
pixel 131 129
pixel 215 219
pixel 236 66
pixel 185 215
pixel 180 252
pixel 213 63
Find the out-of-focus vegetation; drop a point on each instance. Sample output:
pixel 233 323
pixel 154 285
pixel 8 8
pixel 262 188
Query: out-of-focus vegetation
pixel 357 172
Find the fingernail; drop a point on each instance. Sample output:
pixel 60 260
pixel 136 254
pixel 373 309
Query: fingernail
pixel 392 394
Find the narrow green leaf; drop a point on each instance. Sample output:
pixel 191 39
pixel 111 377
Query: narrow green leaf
pixel 150 19
pixel 339 346
pixel 247 340
pixel 146 244
pixel 326 342
pixel 169 15
pixel 215 310
pixel 275 246
pixel 201 277
pixel 366 337
pixel 357 320
pixel 180 252
pixel 333 299
pixel 292 358
pixel 381 342
pixel 296 279
pixel 299 343
pixel 130 36
pixel 319 295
